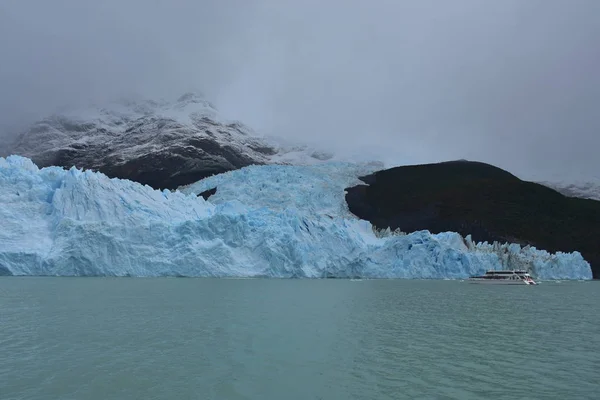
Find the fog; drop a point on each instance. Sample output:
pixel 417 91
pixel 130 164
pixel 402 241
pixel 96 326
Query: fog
pixel 512 82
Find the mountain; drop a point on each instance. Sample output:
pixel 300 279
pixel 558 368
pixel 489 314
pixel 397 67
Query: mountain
pixel 261 221
pixel 482 200
pixel 169 145
pixel 159 143
pixel 583 190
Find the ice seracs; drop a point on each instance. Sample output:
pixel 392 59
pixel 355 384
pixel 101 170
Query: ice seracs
pixel 263 221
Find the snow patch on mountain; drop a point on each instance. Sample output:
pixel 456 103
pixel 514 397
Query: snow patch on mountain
pixel 580 189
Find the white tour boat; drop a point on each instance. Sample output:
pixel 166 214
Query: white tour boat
pixel 504 277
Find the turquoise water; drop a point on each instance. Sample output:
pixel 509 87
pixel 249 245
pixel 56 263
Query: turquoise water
pixel 109 338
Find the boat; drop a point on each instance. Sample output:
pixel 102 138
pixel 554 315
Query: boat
pixel 504 277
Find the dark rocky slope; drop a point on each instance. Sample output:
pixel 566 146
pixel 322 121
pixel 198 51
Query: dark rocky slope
pixel 482 200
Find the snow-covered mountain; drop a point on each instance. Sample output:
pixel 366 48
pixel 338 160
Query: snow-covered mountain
pixel 159 143
pixel 263 221
pixel 584 190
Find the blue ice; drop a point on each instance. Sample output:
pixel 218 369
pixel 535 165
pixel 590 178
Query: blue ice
pixel 264 221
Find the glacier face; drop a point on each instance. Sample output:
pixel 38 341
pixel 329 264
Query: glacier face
pixel 263 221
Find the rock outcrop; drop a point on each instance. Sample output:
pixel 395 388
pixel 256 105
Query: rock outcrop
pixel 482 200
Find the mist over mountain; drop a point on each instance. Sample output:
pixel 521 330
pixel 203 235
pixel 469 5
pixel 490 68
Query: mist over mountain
pixel 512 83
pixel 165 144
pixel 585 190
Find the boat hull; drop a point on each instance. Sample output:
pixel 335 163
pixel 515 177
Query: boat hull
pixel 499 282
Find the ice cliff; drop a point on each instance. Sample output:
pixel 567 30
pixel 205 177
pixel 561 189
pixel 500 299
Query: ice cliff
pixel 263 221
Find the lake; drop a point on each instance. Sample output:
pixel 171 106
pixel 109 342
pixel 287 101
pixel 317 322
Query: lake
pixel 181 338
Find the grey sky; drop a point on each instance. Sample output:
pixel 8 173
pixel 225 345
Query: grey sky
pixel 514 82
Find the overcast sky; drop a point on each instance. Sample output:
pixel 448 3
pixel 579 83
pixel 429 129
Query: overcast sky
pixel 513 82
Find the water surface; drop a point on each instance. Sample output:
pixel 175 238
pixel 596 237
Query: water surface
pixel 101 338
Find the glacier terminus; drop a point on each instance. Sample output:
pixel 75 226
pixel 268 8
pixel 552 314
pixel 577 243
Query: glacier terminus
pixel 280 221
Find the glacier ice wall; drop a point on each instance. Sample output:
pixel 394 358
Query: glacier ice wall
pixel 264 221
pixel 308 190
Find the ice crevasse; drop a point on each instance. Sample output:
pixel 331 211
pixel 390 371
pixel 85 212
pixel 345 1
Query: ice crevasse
pixel 263 221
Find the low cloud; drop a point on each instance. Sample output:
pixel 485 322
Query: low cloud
pixel 514 83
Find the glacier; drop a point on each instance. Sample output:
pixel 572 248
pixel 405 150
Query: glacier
pixel 278 221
